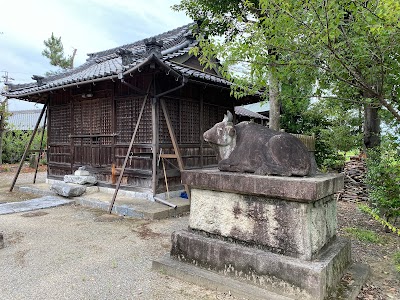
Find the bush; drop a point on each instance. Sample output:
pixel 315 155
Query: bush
pixel 14 143
pixel 383 178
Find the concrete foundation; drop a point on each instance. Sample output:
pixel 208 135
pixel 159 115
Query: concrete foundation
pixel 277 233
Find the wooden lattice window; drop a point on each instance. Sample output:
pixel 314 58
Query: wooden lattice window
pixel 93 117
pixel 60 122
pixel 211 116
pixel 128 110
pixel 173 112
pixel 190 121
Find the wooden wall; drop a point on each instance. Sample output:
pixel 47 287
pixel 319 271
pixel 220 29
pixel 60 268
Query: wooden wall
pixel 96 131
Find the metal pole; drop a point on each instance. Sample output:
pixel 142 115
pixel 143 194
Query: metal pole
pixel 158 199
pixel 27 147
pixel 41 147
pixel 129 150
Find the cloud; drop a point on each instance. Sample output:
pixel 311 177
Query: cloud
pixel 89 26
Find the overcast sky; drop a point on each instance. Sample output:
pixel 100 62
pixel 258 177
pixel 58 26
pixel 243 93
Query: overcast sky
pixel 89 26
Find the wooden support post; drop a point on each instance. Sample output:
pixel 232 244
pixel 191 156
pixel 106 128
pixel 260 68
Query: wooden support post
pixel 174 142
pixel 121 174
pixel 41 147
pixel 27 147
pixel 155 143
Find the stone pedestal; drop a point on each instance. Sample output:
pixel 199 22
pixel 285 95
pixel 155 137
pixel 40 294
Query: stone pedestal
pixel 278 233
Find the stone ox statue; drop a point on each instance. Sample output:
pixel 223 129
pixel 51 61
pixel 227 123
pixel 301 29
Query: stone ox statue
pixel 253 148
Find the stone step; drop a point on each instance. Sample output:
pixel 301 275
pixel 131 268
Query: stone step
pixel 124 205
pixel 33 204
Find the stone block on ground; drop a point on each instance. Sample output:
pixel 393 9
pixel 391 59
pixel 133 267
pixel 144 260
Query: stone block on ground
pixel 277 233
pixel 292 277
pixel 80 172
pixel 79 179
pixel 68 189
pixel 291 228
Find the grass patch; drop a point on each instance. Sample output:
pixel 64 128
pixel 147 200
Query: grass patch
pixel 350 153
pixel 364 235
pixel 396 258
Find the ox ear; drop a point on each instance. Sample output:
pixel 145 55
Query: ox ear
pixel 232 131
pixel 229 116
pixel 225 119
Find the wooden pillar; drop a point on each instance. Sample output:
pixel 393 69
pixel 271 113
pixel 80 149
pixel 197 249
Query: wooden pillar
pixel 155 138
pixel 113 125
pixel 48 155
pixel 72 131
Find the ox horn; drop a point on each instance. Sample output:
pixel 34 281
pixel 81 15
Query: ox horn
pixel 229 116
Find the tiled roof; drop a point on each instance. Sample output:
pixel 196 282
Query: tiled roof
pixel 241 111
pixel 24 119
pixel 108 64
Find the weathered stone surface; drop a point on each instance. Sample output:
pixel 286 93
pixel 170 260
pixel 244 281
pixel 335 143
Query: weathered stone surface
pixel 68 189
pixel 79 179
pixel 253 148
pixel 33 204
pixel 81 173
pixel 305 189
pixel 1 241
pixel 286 227
pixel 292 277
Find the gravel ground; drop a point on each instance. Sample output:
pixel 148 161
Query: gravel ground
pixel 6 179
pixel 67 253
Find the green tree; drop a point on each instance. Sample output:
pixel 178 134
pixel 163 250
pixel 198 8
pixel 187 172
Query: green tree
pixel 54 51
pixel 350 46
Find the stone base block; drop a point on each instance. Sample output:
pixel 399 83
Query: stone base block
pixel 297 229
pixel 292 277
pixel 242 290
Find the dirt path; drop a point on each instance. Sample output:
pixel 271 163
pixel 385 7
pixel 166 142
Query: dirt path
pixel 7 173
pixel 384 281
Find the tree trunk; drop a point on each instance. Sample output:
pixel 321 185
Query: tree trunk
pixel 372 130
pixel 274 103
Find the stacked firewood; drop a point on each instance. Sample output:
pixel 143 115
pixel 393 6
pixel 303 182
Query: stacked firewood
pixel 355 189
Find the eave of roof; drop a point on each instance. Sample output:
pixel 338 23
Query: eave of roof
pixel 241 111
pixel 107 65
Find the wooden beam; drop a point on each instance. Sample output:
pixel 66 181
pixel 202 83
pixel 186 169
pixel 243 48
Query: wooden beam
pixel 27 147
pixel 129 150
pixel 41 147
pixel 174 142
